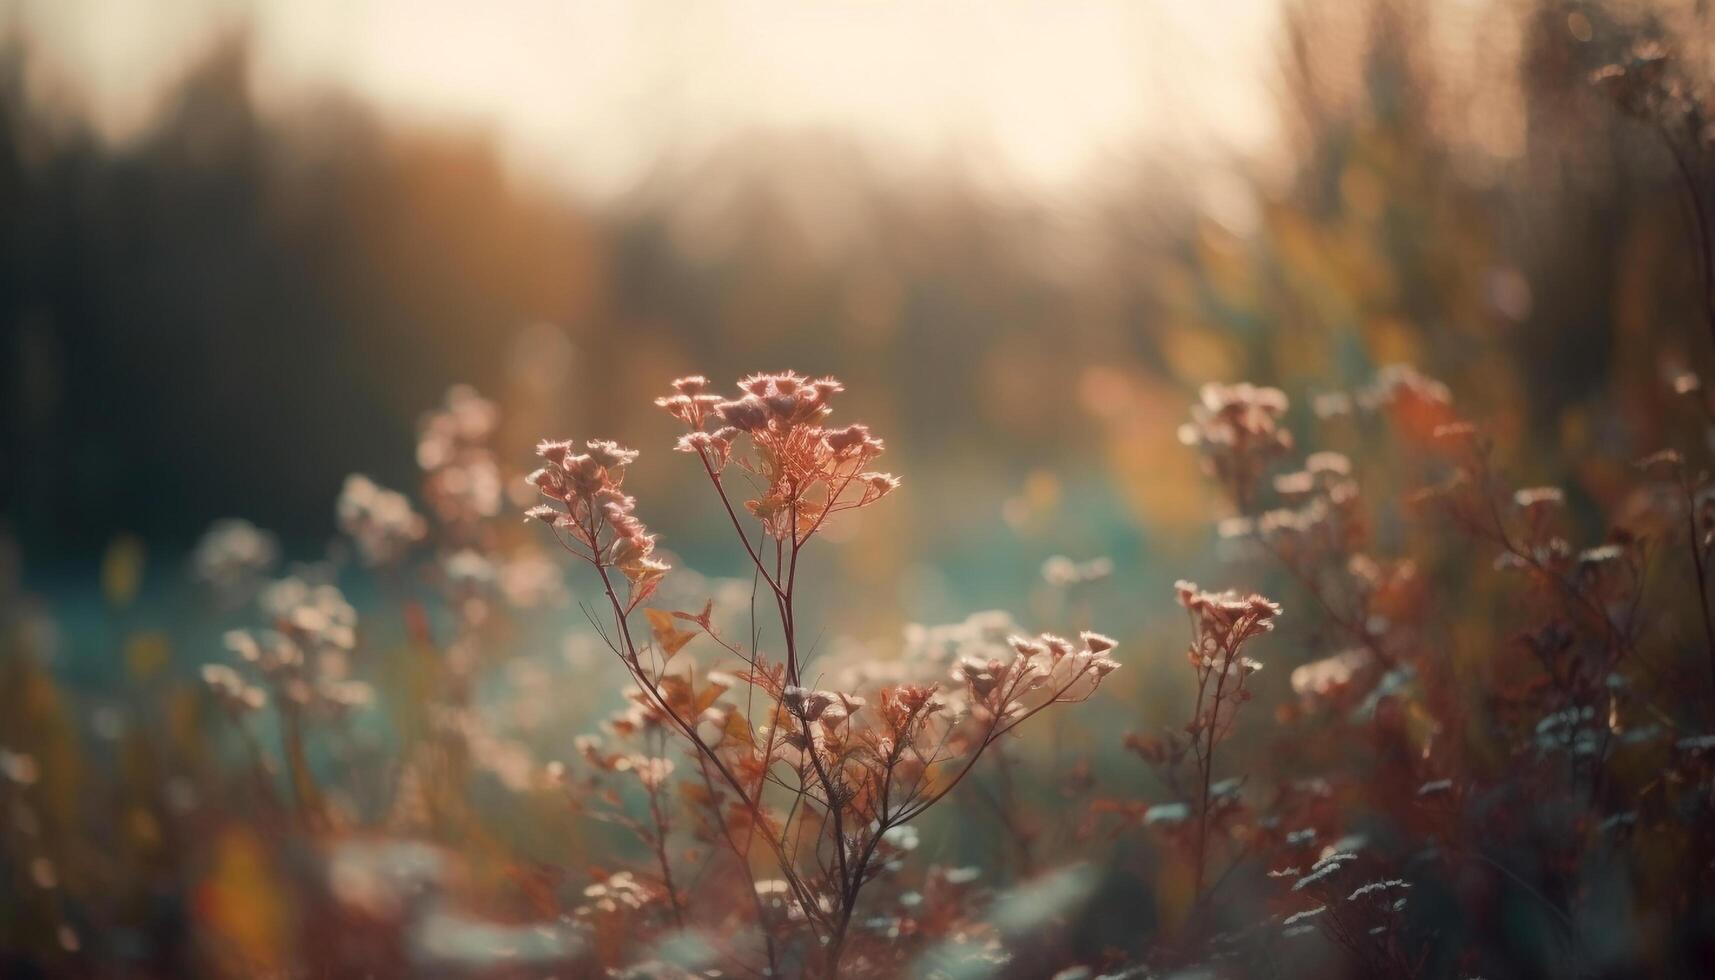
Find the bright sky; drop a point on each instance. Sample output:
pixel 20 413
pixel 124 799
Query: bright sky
pixel 590 92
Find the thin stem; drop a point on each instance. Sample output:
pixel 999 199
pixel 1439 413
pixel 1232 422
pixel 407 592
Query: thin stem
pixel 303 783
pixel 1696 545
pixel 659 841
pixel 1701 239
pixel 1207 763
pixel 732 515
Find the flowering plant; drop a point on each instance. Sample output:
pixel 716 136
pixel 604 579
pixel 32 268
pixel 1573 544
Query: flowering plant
pixel 821 785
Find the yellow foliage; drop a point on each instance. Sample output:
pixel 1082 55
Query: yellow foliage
pixel 122 570
pixel 147 653
pixel 241 904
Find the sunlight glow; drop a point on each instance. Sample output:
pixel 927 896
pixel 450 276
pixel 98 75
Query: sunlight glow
pixel 592 94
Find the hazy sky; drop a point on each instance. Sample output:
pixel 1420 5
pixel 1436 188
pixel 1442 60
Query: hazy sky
pixel 589 92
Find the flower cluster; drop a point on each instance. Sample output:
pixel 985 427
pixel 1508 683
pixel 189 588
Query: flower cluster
pixel 461 479
pixel 1043 663
pixel 1062 572
pixel 1419 405
pixel 304 655
pixel 230 688
pixel 380 522
pixel 1221 623
pixel 1643 83
pixel 823 780
pixel 232 554
pixel 1237 429
pixel 592 516
pixel 806 470
pixel 1323 518
pixel 619 892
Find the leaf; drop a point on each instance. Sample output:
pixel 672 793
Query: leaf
pixel 737 728
pixel 676 690
pixel 707 697
pixel 702 618
pixel 642 590
pixel 668 636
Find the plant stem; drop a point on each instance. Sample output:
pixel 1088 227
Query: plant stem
pixel 1702 574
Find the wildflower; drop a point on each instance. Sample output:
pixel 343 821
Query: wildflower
pixel 1166 813
pixel 905 837
pixel 863 772
pixel 379 521
pixel 618 892
pixel 231 689
pixel 1538 500
pixel 1376 887
pixel 807 704
pixel 652 772
pixel 1235 527
pixel 878 485
pixel 1328 464
pixel 18 768
pixel 530 580
pixel 314 614
pixel 1455 432
pixel 1323 676
pixel 806 470
pixel 1063 572
pixel 1636 83
pixel 464 418
pixel 1295 484
pixel 747 414
pixel 1237 430
pixel 610 455
pixel 1666 460
pixel 232 553
pixel 461 483
pixel 1223 620
pixel 1096 642
pixel 593 516
pixel 1329 864
pixel 852 439
pixel 1331 405
pixel 1402 384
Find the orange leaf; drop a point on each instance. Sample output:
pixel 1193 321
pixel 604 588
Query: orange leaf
pixel 670 638
pixel 707 697
pixel 702 618
pixel 737 728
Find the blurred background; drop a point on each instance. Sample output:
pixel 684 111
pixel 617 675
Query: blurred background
pixel 245 246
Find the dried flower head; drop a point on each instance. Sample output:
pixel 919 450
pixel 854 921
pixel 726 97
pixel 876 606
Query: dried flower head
pixel 1237 430
pixel 806 471
pixel 233 553
pixel 1223 621
pixel 379 521
pixel 591 516
pixel 461 479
